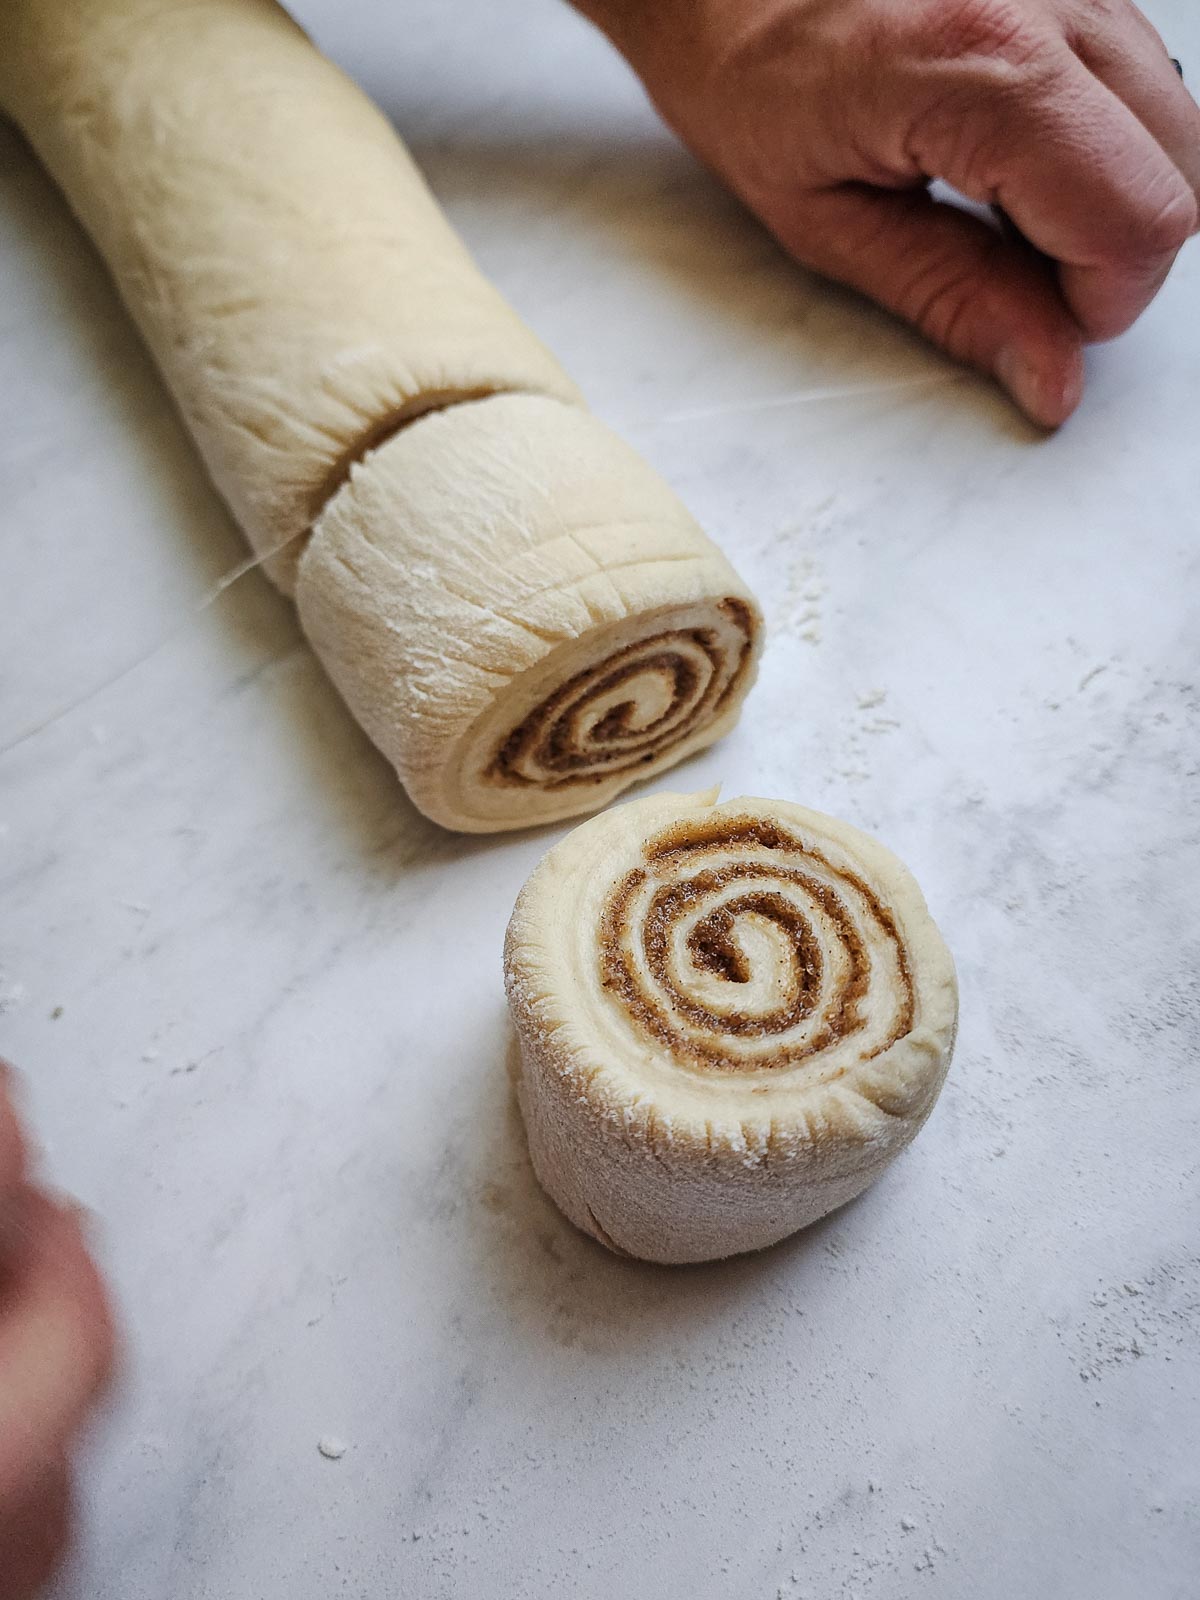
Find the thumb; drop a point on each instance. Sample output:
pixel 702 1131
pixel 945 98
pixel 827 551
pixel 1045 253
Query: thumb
pixel 987 299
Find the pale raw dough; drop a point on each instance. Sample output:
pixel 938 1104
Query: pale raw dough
pixel 730 1017
pixel 293 276
pixel 526 638
pixel 519 611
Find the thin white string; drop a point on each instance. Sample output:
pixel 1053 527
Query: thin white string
pixel 800 397
pixel 181 622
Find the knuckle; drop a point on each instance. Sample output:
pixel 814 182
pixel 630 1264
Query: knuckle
pixel 1092 12
pixel 978 67
pixel 999 30
pixel 1103 16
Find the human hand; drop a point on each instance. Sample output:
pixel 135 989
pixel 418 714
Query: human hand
pixel 828 117
pixel 56 1350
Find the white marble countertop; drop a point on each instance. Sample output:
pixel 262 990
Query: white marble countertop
pixel 258 998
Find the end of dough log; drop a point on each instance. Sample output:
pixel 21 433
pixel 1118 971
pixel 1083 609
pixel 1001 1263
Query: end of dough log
pixel 522 615
pixel 731 1018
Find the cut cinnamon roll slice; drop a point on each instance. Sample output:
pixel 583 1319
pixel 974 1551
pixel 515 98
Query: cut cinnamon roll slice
pixel 522 614
pixel 730 1019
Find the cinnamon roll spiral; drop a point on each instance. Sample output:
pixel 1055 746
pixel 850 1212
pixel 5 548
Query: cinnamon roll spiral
pixel 731 1017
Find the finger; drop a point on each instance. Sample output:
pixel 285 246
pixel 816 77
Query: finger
pixel 14 1158
pixel 12 1140
pixel 1080 176
pixel 984 299
pixel 56 1342
pixel 35 1531
pixel 1128 57
pixel 1108 286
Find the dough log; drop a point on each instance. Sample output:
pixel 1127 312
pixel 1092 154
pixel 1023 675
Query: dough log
pixel 522 614
pixel 730 1019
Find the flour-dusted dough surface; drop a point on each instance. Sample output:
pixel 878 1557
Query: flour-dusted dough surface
pixel 731 1018
pixel 297 283
pixel 522 615
pixel 519 611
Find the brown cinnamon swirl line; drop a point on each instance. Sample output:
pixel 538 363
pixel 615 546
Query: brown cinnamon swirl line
pixel 712 945
pixel 553 746
pixel 731 1018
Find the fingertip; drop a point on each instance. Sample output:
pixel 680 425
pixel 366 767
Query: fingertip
pixel 1047 388
pixel 58 1337
pixel 86 1284
pixel 1068 391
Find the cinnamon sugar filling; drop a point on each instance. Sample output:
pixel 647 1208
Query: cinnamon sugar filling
pixel 559 743
pixel 677 858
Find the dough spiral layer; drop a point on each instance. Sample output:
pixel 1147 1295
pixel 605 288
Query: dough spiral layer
pixel 731 1018
pixel 624 709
